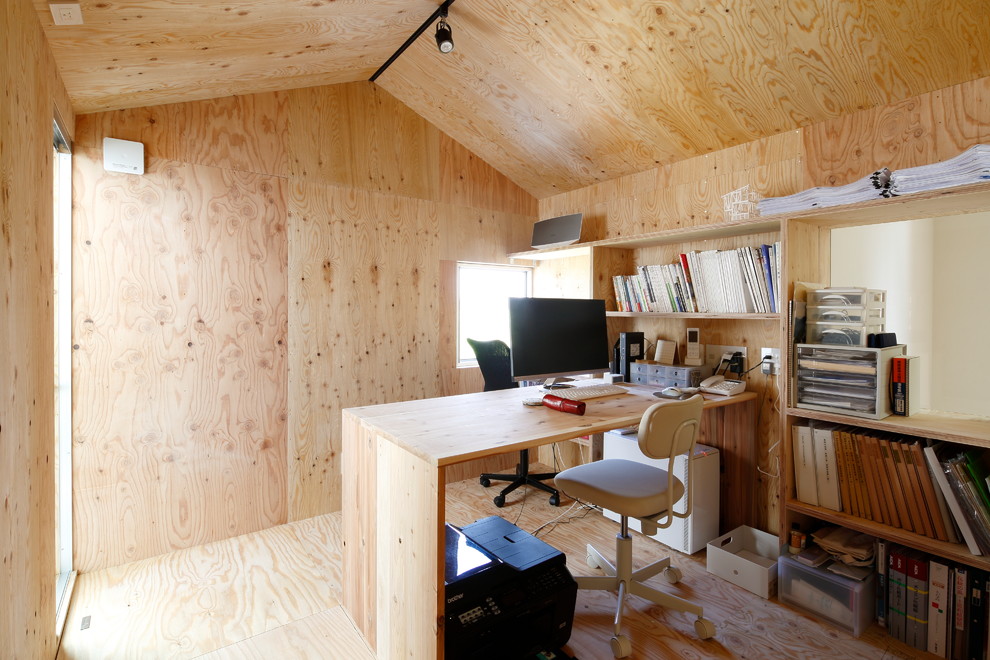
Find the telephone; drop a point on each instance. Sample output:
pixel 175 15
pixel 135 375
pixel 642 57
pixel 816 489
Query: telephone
pixel 722 385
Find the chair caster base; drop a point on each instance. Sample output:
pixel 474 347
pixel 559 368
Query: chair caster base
pixel 621 646
pixel 704 628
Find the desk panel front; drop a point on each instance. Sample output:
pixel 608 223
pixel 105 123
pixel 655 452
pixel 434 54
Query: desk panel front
pixel 394 456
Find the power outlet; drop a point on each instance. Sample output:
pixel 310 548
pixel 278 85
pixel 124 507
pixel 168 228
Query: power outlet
pixel 770 365
pixel 66 13
pixel 714 353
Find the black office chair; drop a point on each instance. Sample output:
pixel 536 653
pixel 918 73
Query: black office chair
pixel 493 358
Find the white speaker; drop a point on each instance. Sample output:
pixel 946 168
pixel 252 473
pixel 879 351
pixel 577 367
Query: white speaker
pixel 123 156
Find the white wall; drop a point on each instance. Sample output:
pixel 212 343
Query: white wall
pixel 936 273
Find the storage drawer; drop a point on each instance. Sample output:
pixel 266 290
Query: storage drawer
pixel 850 314
pixel 847 603
pixel 663 375
pixel 841 334
pixel 848 297
pixel 847 380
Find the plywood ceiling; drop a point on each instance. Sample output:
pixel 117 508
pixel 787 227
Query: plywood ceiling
pixel 556 94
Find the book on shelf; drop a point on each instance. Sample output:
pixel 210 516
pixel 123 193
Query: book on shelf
pixel 916 615
pixel 969 499
pixel 805 480
pixel 904 397
pixel 912 489
pixel 885 492
pixel 897 493
pixel 977 613
pixel 869 466
pixel 859 488
pixel 960 614
pixel 826 469
pixel 844 472
pixel 929 497
pixel 939 607
pixel 955 507
pixel 897 593
pixel 880 565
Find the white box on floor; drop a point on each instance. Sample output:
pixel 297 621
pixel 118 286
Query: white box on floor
pixel 746 557
pixel 691 534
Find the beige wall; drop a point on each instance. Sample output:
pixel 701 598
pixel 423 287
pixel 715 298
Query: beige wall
pixel 32 89
pixel 284 256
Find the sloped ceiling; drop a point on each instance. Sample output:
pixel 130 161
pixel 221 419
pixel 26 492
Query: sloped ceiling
pixel 556 94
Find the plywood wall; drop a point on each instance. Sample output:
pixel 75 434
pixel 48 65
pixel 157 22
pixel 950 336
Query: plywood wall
pixel 919 130
pixel 371 252
pixel 32 92
pixel 279 260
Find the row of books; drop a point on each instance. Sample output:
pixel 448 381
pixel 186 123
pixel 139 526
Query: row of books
pixel 938 490
pixel 742 280
pixel 931 604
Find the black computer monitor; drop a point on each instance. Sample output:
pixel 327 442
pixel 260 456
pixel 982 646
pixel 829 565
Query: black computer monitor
pixel 553 337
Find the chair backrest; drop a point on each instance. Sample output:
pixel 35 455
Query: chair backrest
pixel 493 359
pixel 670 428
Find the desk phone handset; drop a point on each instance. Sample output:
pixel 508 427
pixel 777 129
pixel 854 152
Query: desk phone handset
pixel 722 385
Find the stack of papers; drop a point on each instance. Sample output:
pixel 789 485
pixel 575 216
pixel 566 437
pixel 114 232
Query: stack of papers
pixel 868 188
pixel 971 166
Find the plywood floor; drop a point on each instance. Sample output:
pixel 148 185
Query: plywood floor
pixel 275 594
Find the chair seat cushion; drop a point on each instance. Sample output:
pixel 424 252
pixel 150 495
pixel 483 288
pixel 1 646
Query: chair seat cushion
pixel 626 487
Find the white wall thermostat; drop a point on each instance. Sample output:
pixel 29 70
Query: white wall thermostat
pixel 695 354
pixel 123 156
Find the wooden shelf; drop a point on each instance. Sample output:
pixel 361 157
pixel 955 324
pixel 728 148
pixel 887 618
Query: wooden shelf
pixel 694 315
pixel 953 551
pixel 932 204
pixel 963 429
pixel 667 237
pixel 960 200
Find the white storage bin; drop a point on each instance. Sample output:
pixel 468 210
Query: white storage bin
pixel 746 557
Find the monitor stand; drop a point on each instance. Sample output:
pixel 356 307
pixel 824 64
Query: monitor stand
pixel 556 383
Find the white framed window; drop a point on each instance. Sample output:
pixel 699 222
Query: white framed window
pixel 483 292
pixel 62 243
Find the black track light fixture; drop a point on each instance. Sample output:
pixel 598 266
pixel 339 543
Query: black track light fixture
pixel 444 37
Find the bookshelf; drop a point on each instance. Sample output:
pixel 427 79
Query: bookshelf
pixel 806 258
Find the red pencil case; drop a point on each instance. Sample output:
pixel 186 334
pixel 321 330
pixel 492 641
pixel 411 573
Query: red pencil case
pixel 564 405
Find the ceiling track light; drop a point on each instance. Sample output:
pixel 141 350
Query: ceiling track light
pixel 444 36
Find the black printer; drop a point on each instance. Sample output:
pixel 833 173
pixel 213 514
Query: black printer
pixel 508 594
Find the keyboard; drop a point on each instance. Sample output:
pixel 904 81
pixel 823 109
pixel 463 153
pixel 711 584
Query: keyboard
pixel 586 392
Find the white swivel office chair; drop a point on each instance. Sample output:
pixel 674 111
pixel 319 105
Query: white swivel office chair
pixel 668 429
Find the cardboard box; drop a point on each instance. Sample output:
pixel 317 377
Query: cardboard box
pixel 746 557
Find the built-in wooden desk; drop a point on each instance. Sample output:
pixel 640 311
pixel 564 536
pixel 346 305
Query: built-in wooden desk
pixel 394 457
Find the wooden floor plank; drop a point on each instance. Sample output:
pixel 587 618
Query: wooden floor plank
pixel 275 594
pixel 189 602
pixel 327 635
